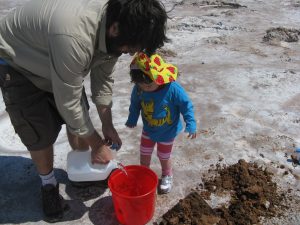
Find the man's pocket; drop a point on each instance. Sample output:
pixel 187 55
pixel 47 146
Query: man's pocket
pixel 22 127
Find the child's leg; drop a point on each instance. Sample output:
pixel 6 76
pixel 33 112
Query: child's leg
pixel 164 150
pixel 146 149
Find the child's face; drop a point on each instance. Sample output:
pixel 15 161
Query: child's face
pixel 148 87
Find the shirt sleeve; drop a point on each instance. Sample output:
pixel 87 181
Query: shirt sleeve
pixel 102 82
pixel 69 58
pixel 134 108
pixel 186 109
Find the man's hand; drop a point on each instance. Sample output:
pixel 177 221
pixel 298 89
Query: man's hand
pixel 100 152
pixel 101 155
pixel 111 136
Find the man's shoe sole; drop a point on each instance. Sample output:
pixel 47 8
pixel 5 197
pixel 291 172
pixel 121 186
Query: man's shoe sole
pixel 60 216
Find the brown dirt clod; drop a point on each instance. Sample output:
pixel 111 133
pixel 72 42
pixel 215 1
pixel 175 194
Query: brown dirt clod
pixel 253 195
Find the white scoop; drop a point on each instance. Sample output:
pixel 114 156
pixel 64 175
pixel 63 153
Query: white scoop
pixel 80 168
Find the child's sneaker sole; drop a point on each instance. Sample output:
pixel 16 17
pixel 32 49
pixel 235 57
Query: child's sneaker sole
pixel 166 184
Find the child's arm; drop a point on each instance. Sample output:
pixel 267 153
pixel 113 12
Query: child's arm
pixel 187 110
pixel 134 109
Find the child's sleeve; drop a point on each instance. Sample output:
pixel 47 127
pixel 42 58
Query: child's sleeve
pixel 186 109
pixel 134 108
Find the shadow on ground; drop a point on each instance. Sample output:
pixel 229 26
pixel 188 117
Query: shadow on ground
pixel 102 212
pixel 20 198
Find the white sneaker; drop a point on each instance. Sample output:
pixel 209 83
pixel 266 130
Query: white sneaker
pixel 166 184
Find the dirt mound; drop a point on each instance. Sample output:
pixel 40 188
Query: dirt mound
pixel 210 4
pixel 281 34
pixel 190 210
pixel 166 52
pixel 253 195
pixel 219 4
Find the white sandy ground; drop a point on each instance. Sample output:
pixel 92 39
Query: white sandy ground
pixel 246 95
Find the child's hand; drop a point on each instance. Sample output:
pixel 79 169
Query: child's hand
pixel 127 124
pixel 192 135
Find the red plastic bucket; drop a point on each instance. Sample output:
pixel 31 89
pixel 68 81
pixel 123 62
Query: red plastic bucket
pixel 134 194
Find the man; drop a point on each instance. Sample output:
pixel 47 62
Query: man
pixel 47 48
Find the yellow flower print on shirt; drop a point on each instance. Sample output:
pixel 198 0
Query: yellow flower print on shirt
pixel 148 109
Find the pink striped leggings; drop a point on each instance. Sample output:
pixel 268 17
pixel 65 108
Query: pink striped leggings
pixel 164 150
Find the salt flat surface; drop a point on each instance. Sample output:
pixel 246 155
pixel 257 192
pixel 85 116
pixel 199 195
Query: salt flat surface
pixel 246 97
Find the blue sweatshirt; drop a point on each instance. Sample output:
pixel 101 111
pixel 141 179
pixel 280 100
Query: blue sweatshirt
pixel 161 111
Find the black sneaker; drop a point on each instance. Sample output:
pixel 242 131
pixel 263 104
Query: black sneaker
pixel 53 203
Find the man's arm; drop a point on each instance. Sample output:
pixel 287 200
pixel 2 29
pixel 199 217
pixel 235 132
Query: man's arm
pixel 101 87
pixel 67 72
pixel 110 134
pixel 68 59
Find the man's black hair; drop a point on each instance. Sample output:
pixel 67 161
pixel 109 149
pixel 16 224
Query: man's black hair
pixel 141 23
pixel 137 76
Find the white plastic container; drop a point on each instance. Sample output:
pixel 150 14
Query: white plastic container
pixel 80 168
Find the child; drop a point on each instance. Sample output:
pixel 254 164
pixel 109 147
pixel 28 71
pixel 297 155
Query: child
pixel 161 100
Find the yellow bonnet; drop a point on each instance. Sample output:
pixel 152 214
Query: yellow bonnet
pixel 155 67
